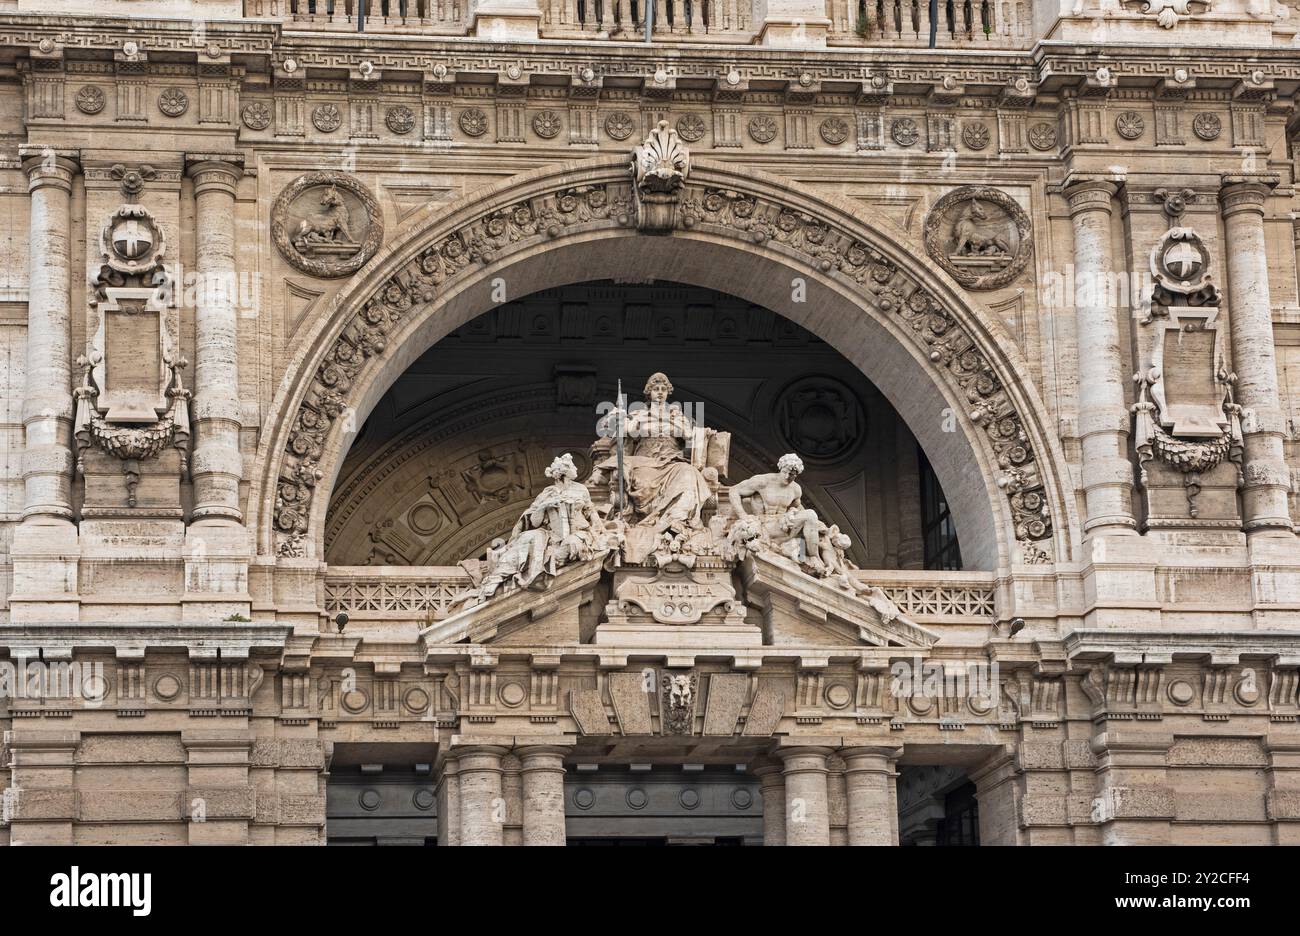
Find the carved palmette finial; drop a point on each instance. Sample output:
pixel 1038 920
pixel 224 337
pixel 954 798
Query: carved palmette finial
pixel 660 166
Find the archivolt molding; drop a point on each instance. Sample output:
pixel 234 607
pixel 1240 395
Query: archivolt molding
pixel 745 206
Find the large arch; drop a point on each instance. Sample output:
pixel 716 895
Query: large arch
pixel 946 365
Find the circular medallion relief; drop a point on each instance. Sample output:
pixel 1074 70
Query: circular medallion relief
pixel 512 694
pixel 326 224
pixel 256 115
pixel 637 798
pixel 1130 125
pixel 1042 136
pixel 400 119
pixel 90 100
pixel 547 124
pixel 473 121
pixel 762 129
pixel 820 419
pixel 584 798
pixel 326 118
pixel 834 130
pixel 904 131
pixel 1181 692
pixel 416 700
pixel 1246 691
pixel 838 695
pixel 1207 126
pixel 690 127
pixel 619 126
pixel 166 687
pixel 423 799
pixel 355 700
pixel 980 236
pixel 976 135
pixel 173 102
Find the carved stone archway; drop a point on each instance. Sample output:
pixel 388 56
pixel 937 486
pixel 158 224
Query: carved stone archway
pixel 947 366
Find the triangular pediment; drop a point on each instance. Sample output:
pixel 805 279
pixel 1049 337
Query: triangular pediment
pixel 798 608
pixel 642 608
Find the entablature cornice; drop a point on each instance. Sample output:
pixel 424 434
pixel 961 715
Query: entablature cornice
pixel 942 74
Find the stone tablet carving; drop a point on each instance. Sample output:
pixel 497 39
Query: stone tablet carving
pixel 980 236
pixel 131 403
pixel 326 224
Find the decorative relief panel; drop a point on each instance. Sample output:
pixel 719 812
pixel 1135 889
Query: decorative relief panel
pixel 980 236
pixel 131 403
pixel 1185 416
pixel 326 224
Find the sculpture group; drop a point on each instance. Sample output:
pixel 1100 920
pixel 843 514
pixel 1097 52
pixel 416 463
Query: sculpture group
pixel 656 498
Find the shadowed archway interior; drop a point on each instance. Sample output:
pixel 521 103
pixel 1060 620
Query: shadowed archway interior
pixel 454 451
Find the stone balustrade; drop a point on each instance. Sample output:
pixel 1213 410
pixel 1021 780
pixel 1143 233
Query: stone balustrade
pixel 976 24
pixel 426 593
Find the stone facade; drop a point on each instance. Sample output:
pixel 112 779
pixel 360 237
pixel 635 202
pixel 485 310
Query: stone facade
pixel 293 329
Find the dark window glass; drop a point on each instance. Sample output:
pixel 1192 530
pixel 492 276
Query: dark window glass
pixel 937 530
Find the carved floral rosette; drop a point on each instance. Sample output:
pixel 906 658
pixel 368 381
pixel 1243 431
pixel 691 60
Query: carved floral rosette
pixel 286 216
pixel 727 212
pixel 1009 229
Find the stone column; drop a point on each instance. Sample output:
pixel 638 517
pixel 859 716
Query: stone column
pixel 216 466
pixel 543 773
pixel 807 810
pixel 449 802
pixel 47 400
pixel 482 805
pixel 1103 412
pixel 772 788
pixel 870 777
pixel 1250 311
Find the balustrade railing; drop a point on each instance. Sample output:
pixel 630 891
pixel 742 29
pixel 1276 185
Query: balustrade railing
pixel 959 23
pixel 426 593
pixel 432 17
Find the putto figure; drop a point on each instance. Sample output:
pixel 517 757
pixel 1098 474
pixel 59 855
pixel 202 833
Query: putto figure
pixel 666 489
pixel 560 526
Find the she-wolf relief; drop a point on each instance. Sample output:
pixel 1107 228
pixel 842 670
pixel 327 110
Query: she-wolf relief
pixel 656 500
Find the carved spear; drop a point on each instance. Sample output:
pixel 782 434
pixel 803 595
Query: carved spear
pixel 618 446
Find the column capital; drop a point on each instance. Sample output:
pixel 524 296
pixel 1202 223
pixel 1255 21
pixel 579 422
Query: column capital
pixel 48 165
pixel 1089 194
pixel 542 756
pixel 860 757
pixel 804 759
pixel 221 171
pixel 1246 192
